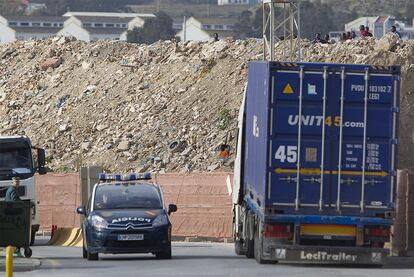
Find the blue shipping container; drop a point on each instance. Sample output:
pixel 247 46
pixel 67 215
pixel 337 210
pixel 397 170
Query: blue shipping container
pixel 321 138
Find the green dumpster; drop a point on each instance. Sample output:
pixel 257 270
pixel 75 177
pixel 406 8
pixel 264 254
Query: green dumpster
pixel 15 225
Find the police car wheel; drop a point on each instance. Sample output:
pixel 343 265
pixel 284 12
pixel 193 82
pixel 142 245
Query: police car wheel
pixel 164 255
pixel 92 256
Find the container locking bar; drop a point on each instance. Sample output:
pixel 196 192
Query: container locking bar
pixel 301 77
pixel 364 142
pixel 338 200
pixel 325 81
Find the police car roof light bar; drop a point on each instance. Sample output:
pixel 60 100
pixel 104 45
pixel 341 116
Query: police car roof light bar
pixel 124 177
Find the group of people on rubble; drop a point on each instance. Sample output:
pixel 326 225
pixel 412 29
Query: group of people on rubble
pixel 364 32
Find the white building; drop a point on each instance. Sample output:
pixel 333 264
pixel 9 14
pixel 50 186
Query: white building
pixel 29 27
pixel 236 2
pixel 92 26
pixel 203 29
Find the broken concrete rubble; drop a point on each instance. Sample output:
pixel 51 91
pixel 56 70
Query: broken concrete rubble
pixel 77 99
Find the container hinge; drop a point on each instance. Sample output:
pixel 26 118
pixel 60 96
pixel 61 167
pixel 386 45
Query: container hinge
pixel 394 141
pixel 393 173
pixel 395 109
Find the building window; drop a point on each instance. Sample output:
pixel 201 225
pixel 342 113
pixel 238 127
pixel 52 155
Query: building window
pixel 98 25
pixel 12 23
pixel 229 27
pixel 87 25
pixel 109 25
pixel 47 24
pixel 35 24
pixel 55 24
pixel 219 27
pixel 207 26
pixel 24 23
pixel 118 25
pixel 124 25
pixel 60 24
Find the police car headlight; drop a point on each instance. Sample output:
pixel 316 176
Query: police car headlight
pixel 161 220
pixel 98 222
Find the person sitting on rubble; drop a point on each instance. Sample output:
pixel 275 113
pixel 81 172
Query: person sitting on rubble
pixel 353 35
pixel 318 38
pixel 362 31
pixel 224 152
pixel 395 32
pixel 327 39
pixel 215 37
pixel 368 33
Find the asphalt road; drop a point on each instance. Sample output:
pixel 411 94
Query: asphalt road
pixel 189 259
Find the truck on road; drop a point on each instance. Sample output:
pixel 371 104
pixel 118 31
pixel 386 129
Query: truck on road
pixel 17 160
pixel 315 170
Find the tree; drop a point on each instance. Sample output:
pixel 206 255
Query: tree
pixel 154 29
pixel 316 18
pixel 9 6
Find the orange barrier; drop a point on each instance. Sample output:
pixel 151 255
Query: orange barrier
pixel 203 200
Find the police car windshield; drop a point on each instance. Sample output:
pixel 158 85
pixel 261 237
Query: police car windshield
pixel 127 196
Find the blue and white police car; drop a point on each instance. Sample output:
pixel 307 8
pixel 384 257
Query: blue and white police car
pixel 126 214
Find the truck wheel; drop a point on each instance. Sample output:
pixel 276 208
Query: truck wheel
pixel 249 242
pixel 239 248
pixel 92 256
pixel 32 238
pixel 258 251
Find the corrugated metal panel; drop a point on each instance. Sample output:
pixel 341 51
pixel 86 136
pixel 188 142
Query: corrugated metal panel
pixel 325 122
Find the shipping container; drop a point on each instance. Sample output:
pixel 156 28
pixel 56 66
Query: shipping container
pixel 316 153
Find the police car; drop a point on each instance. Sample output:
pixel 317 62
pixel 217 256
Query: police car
pixel 126 214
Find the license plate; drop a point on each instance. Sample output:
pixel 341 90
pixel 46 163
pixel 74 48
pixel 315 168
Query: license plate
pixel 131 237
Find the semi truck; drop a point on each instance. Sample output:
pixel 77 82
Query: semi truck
pixel 315 169
pixel 17 160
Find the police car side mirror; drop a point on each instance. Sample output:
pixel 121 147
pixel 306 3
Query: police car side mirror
pixel 81 210
pixel 172 208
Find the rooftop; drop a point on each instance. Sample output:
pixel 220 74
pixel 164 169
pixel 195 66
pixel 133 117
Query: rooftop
pixel 104 19
pixel 34 18
pixel 108 14
pixel 32 30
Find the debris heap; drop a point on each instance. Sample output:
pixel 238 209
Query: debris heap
pixel 164 107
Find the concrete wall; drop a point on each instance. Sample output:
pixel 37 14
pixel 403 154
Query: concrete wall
pixel 203 200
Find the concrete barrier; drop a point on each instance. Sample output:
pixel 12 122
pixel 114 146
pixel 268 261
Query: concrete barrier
pixel 64 236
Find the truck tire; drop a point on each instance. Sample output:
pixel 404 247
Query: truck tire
pixel 250 248
pixel 249 242
pixel 32 238
pixel 239 248
pixel 258 251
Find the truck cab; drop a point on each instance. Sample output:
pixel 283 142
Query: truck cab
pixel 18 160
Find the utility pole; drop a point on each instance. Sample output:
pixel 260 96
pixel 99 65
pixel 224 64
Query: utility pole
pixel 281 30
pixel 158 6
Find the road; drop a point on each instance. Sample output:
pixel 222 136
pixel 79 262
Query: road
pixel 189 259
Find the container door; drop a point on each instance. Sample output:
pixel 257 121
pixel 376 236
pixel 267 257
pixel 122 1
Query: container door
pixel 366 106
pixel 300 144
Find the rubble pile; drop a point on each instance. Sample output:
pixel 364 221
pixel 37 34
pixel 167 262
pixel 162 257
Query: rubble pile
pixel 164 107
